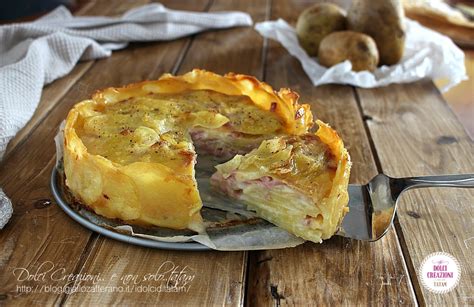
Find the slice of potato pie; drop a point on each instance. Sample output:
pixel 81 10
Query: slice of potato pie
pixel 297 182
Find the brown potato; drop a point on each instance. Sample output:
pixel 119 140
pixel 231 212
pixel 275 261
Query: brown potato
pixel 383 20
pixel 316 22
pixel 358 48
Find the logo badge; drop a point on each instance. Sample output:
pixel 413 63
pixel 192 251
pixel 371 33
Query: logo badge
pixel 440 272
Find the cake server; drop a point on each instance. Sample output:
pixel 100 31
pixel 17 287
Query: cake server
pixel 373 206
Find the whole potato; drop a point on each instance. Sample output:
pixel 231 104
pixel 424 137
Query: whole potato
pixel 384 21
pixel 316 22
pixel 358 48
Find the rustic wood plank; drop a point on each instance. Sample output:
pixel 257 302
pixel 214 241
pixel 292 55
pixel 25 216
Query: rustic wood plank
pixel 219 277
pixel 39 232
pixel 206 278
pixel 53 92
pixel 339 271
pixel 233 50
pixel 415 133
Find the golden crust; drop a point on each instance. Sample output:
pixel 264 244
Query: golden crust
pixel 338 198
pixel 153 193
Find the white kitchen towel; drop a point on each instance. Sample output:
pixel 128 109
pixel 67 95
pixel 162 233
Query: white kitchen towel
pixel 36 53
pixel 6 209
pixel 428 54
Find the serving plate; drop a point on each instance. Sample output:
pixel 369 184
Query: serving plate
pixel 84 221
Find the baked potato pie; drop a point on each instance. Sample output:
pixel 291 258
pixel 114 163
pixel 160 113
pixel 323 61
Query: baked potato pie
pixel 130 153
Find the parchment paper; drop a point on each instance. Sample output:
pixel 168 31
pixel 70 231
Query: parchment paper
pixel 428 54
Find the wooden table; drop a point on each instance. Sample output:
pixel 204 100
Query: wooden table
pixel 401 130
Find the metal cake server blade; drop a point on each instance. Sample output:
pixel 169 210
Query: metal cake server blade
pixel 373 206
